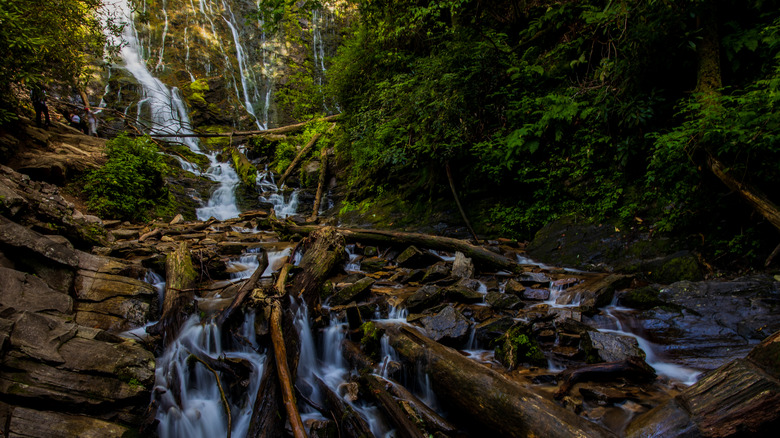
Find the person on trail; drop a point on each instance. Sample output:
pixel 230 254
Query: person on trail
pixel 38 97
pixel 91 121
pixel 74 121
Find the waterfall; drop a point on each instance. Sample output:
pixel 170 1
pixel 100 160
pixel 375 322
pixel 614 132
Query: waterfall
pixel 222 203
pixel 270 193
pixel 244 70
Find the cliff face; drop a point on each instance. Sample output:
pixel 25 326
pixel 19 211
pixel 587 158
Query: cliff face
pixel 219 55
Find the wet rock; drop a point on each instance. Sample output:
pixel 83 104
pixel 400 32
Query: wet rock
pixel 741 398
pixel 20 291
pixel 493 328
pixel 604 394
pixel 125 233
pixel 414 258
pixel 462 266
pixel 436 272
pixel 370 251
pixel 352 292
pixel 534 279
pixel 425 297
pixel 610 347
pixel 40 336
pixel 707 323
pixel 447 327
pixel 373 264
pixel 514 287
pixel 462 294
pixel 536 294
pixel 572 325
pixel 500 301
pixel 26 422
pixel 560 314
pixel 595 292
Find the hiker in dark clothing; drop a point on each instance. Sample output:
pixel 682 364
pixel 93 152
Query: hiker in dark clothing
pixel 38 97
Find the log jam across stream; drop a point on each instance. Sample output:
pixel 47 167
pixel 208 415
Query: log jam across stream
pixel 404 337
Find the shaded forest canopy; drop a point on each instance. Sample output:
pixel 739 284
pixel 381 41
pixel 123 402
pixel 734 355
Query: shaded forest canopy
pixel 607 110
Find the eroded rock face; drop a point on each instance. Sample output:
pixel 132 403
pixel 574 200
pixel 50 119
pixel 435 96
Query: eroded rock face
pixel 49 360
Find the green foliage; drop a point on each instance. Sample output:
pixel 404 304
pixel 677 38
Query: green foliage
pixel 130 186
pixel 370 341
pixel 45 40
pixel 558 108
pixel 515 347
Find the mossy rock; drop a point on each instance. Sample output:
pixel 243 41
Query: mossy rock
pixel 642 299
pixel 516 347
pixel 370 341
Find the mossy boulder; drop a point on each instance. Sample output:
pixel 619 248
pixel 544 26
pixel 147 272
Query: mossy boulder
pixel 516 347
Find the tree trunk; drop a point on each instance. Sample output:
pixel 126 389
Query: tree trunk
pixel 298 158
pixel 320 184
pixel 487 397
pixel 633 369
pixel 390 407
pixel 267 420
pixel 349 421
pixel 323 252
pixel 180 279
pixel 457 201
pixel 398 238
pixel 282 130
pixel 244 291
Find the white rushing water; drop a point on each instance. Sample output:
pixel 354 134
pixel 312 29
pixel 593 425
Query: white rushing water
pixel 222 203
pixel 270 193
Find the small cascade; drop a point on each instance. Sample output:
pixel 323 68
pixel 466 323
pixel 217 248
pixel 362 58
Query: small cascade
pixel 353 262
pixel 158 283
pixel 662 367
pixel 271 194
pixel 246 75
pixel 222 204
pixel 199 412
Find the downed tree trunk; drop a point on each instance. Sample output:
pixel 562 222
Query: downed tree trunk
pixel 631 368
pixel 298 158
pixel 244 291
pixel 741 398
pixel 405 425
pixel 323 251
pixel 180 277
pixel 429 417
pixel 281 130
pixel 755 198
pixel 485 396
pixel 457 201
pixel 320 184
pixel 396 238
pixel 247 171
pixel 267 421
pixel 349 421
pixel 280 356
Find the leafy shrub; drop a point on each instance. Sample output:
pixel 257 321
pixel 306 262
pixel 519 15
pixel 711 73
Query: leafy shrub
pixel 130 186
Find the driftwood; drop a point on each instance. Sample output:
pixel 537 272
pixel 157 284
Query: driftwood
pixel 225 403
pixel 377 388
pixel 398 238
pixel 457 201
pixel 320 184
pixel 280 355
pixel 486 397
pixel 281 130
pixel 323 251
pixel 350 422
pixel 298 159
pixel 245 290
pixel 632 369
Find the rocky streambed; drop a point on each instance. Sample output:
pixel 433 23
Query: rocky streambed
pixel 385 333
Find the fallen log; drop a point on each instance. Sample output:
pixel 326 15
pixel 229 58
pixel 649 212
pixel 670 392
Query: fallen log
pixel 267 421
pixel 323 251
pixel 245 290
pixel 280 356
pixel 431 419
pixel 741 398
pixel 281 130
pixel 398 238
pixel 180 277
pixel 486 397
pixel 632 368
pixel 350 422
pixel 320 184
pixel 298 158
pixel 390 407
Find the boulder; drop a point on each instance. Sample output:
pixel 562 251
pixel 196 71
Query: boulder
pixel 462 266
pixel 425 297
pixel 20 291
pixel 448 326
pixel 436 272
pixel 352 292
pixel 414 258
pixel 373 264
pixel 610 347
pixel 462 294
pixel 536 294
pixel 500 301
pixel 513 287
pixel 26 422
